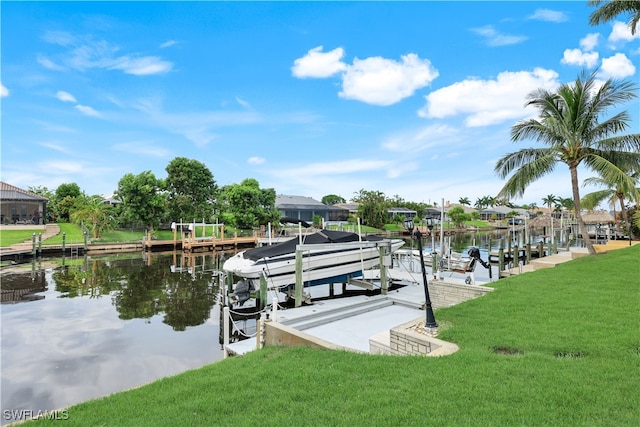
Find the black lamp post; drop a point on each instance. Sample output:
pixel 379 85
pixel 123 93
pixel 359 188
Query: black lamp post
pixel 429 221
pixel 431 320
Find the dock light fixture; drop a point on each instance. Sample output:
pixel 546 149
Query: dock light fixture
pixel 430 320
pixel 429 222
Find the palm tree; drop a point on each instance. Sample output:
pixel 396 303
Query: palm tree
pixel 550 200
pixel 613 192
pixel 464 201
pixel 95 215
pixel 570 129
pixel 611 9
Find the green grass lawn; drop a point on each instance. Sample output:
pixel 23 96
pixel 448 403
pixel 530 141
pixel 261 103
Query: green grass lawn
pixel 556 347
pixel 11 237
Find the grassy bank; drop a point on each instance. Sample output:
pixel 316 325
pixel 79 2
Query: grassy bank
pixel 559 346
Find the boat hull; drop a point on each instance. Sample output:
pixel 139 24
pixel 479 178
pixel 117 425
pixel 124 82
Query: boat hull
pixel 320 263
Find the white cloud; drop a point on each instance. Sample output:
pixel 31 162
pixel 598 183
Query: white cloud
pixel 87 111
pixel 622 32
pixel 318 64
pixel 580 58
pixel 3 91
pixel 201 136
pixel 49 64
pixel 589 42
pixel 617 66
pixel 421 139
pixel 54 127
pixel 141 66
pixel 61 166
pixel 255 160
pixel 548 15
pixel 494 38
pixel 65 96
pixel 198 126
pixel 381 81
pixel 242 102
pixel 85 53
pixel 374 80
pixel 488 102
pixel 343 167
pixel 56 147
pixel 61 38
pixel 168 43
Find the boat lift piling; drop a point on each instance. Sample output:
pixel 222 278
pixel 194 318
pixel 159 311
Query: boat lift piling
pixel 384 261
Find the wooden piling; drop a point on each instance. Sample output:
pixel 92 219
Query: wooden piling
pixel 263 292
pixel 540 249
pixel 383 271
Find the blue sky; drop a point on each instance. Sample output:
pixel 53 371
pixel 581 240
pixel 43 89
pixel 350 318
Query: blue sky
pixel 414 99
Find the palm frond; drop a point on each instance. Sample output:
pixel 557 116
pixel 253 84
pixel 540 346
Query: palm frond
pixel 611 9
pixel 526 174
pixel 592 200
pixel 512 161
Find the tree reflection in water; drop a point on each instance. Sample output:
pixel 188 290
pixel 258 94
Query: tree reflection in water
pixel 144 286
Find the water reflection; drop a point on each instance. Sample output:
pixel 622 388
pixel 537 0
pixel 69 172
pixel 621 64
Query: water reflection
pixel 104 324
pixel 140 289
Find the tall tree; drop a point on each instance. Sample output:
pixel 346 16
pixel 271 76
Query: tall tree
pixel 192 190
pixel 464 201
pixel 570 128
pixel 610 9
pixel 372 208
pixel 68 189
pixel 65 199
pixel 332 199
pixel 143 198
pixel 249 205
pixel 458 216
pixel 42 191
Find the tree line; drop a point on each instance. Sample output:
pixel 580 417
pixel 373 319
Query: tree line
pixel 188 193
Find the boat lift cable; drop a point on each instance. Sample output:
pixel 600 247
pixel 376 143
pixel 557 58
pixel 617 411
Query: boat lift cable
pixel 255 313
pixel 240 331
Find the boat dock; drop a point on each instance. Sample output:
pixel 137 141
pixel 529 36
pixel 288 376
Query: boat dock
pixel 202 244
pixel 514 252
pixel 361 323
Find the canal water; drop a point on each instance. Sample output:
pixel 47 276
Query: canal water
pixel 102 324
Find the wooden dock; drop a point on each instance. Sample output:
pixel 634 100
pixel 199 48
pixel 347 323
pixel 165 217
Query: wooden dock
pixel 202 244
pixel 519 252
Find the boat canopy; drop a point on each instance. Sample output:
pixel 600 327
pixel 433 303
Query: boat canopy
pixel 320 237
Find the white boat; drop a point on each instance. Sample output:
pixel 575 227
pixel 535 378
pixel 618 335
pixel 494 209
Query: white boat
pixel 327 257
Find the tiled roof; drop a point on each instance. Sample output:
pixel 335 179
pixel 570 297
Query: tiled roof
pixel 10 192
